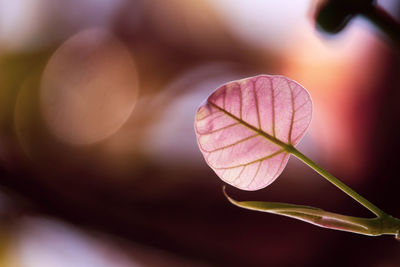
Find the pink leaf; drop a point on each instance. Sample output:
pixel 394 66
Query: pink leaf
pixel 246 128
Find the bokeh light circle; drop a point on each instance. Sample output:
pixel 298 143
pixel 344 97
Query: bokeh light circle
pixel 89 87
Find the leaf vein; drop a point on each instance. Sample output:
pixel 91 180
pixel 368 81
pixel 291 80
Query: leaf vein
pixel 302 105
pixel 240 103
pixel 252 162
pixel 273 109
pixel 257 109
pixel 280 165
pixel 221 129
pixel 224 99
pixel 251 127
pixel 208 115
pixel 240 174
pixel 293 113
pixel 301 118
pixel 255 175
pixel 298 93
pixel 233 144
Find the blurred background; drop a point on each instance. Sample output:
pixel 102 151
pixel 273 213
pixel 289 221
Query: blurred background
pixel 99 164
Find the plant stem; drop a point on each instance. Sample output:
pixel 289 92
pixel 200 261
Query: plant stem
pixel 378 212
pixel 385 225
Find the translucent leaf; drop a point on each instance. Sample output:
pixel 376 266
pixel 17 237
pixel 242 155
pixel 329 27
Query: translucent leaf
pixel 246 128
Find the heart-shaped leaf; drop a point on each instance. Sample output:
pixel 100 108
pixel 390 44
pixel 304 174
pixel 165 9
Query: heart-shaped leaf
pixel 247 128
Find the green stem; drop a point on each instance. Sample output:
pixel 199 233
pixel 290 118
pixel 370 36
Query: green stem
pixel 385 225
pixel 378 212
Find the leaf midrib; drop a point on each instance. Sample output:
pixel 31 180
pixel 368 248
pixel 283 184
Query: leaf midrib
pixel 287 147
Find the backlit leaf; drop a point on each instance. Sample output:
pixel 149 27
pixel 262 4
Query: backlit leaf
pixel 246 128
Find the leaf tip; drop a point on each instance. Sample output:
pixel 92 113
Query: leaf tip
pixel 231 200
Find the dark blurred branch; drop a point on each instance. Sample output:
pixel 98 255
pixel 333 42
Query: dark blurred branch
pixel 332 16
pixel 384 22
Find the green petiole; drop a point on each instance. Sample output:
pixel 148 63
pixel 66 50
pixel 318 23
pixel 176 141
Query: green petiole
pixel 377 211
pixel 380 225
pixel 386 223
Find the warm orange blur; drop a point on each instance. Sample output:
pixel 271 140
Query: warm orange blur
pixel 89 87
pixel 341 76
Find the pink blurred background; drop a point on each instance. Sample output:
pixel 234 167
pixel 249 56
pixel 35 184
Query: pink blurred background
pixel 99 164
